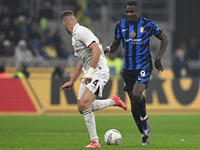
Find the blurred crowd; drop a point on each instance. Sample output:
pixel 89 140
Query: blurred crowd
pixel 25 35
pixel 28 36
pixel 183 55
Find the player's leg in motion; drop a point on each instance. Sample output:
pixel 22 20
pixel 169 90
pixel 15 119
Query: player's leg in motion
pixel 104 103
pixel 135 113
pixel 140 101
pixel 84 107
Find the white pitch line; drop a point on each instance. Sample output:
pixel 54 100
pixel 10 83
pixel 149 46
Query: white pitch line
pixel 83 134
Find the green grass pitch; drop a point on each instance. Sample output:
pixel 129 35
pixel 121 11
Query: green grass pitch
pixel 177 132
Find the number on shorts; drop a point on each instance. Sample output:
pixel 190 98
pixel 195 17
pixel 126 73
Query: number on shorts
pixel 95 82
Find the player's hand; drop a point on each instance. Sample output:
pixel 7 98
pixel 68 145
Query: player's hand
pixel 67 86
pixel 87 80
pixel 158 64
pixel 88 76
pixel 106 50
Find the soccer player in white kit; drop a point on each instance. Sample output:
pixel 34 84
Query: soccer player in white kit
pixel 91 60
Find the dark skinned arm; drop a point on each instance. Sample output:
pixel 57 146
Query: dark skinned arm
pixel 113 46
pixel 163 46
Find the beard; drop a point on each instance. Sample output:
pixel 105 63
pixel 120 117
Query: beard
pixel 133 19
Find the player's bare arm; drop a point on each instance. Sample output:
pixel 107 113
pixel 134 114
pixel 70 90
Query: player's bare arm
pixel 68 85
pixel 113 47
pixel 96 52
pixel 163 47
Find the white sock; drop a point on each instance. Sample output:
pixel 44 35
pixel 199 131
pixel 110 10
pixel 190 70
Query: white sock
pixel 144 118
pixel 100 104
pixel 90 124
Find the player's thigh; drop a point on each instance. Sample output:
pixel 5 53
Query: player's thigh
pixel 86 100
pixel 88 96
pixel 141 83
pixel 84 93
pixel 138 88
pixel 129 79
pixel 81 89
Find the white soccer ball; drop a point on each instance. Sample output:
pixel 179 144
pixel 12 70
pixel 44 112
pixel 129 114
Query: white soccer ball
pixel 112 137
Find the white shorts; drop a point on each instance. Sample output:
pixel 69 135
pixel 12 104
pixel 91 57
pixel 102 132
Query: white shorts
pixel 96 86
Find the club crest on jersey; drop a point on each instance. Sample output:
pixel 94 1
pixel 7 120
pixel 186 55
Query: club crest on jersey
pixel 133 34
pixel 141 29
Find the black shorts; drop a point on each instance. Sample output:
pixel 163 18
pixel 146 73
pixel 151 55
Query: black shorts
pixel 130 77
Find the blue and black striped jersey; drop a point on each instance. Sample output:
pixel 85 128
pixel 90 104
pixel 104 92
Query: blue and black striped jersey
pixel 136 40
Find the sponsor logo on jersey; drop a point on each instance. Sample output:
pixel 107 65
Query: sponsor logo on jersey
pixel 135 41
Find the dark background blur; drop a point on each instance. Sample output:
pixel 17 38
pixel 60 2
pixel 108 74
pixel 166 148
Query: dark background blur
pixel 37 22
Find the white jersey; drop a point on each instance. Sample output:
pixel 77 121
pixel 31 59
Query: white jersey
pixel 82 38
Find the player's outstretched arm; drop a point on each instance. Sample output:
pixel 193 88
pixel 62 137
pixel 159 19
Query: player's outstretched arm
pixel 113 46
pixel 68 85
pixel 163 47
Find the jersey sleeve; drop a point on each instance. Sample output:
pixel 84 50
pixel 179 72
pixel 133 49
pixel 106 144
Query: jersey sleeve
pixel 86 36
pixel 118 31
pixel 156 31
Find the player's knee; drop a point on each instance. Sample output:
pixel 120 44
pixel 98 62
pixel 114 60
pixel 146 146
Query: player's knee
pixel 79 108
pixel 80 111
pixel 137 96
pixel 82 106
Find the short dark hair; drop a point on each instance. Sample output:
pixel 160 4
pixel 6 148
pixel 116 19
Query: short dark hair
pixel 132 3
pixel 66 13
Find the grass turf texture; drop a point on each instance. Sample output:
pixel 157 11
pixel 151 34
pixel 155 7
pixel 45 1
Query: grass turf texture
pixel 69 132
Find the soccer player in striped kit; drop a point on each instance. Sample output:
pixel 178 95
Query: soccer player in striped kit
pixel 135 32
pixel 92 61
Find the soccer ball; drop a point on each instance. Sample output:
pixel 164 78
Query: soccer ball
pixel 112 137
